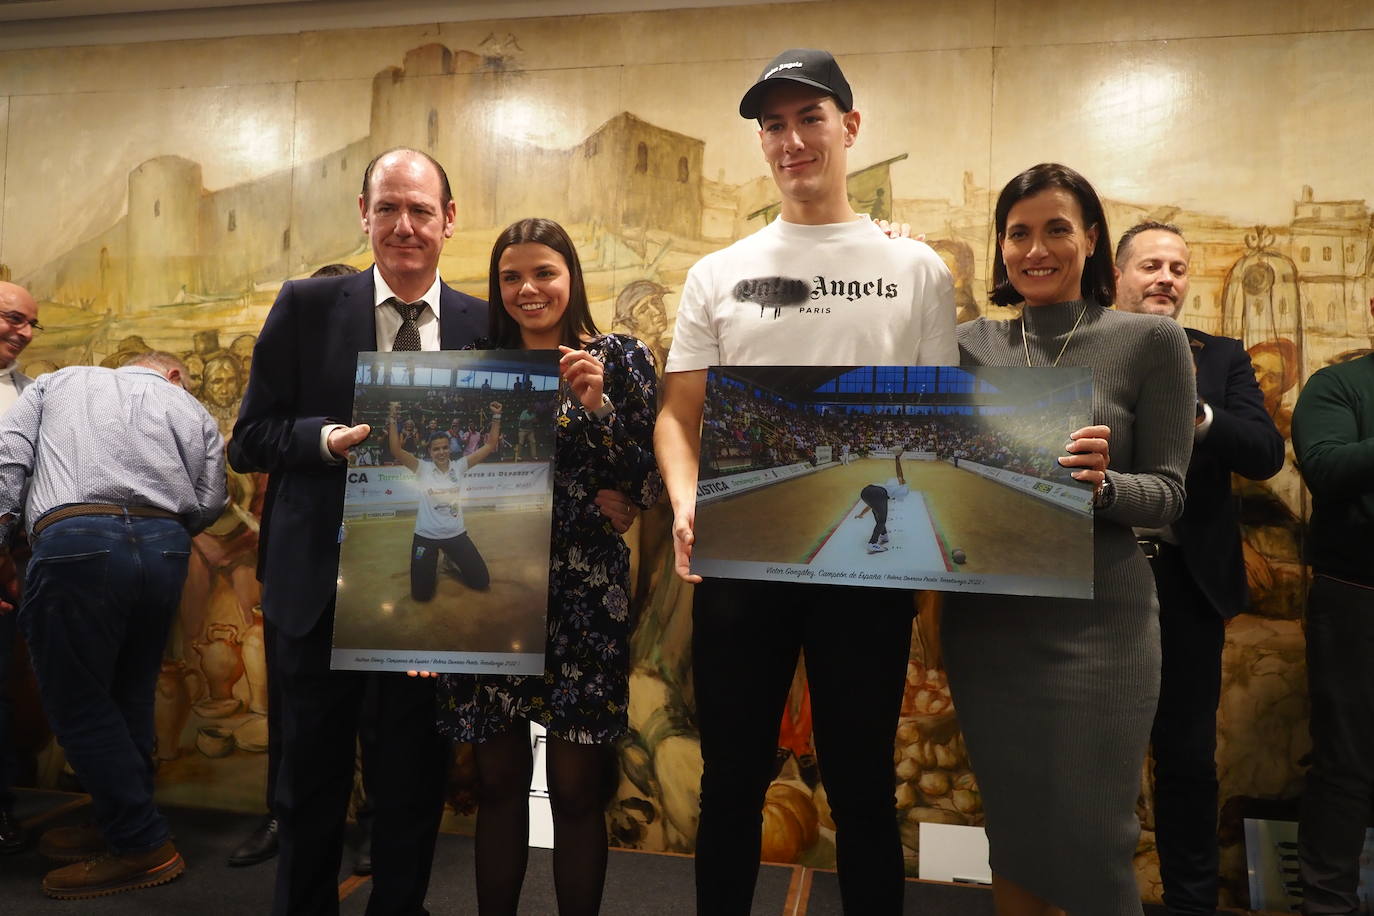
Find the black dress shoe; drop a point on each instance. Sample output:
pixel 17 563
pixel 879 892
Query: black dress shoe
pixel 259 846
pixel 11 834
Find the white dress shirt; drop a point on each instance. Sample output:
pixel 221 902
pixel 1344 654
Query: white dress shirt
pixel 388 322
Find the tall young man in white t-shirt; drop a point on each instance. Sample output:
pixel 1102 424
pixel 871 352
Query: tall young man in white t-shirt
pixel 819 286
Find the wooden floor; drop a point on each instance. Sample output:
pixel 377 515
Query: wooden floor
pixel 1000 530
pixel 375 610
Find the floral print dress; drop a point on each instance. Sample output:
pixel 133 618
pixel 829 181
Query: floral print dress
pixel 583 694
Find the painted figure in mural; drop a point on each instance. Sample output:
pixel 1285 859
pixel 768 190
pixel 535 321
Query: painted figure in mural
pixel 125 350
pixel 640 312
pixel 222 389
pixel 604 419
pixel 18 324
pixel 1197 564
pixel 1333 436
pixel 1056 697
pixel 1276 369
pixel 293 425
pixel 769 300
pixel 261 843
pixel 110 519
pixel 958 257
pixel 242 347
pixel 195 373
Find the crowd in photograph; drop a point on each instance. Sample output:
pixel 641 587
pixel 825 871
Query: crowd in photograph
pixel 465 417
pixel 742 432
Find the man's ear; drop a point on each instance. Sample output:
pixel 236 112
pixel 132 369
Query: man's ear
pixel 851 127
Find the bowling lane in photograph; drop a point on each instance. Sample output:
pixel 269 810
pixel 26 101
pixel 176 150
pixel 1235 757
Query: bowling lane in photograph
pixel 811 519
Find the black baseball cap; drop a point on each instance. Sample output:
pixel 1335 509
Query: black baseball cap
pixel 799 65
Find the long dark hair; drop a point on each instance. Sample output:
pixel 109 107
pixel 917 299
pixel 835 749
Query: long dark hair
pixel 577 318
pixel 1099 282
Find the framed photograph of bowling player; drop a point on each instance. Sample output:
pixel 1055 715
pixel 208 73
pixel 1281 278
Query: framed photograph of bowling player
pixel 444 555
pixel 929 477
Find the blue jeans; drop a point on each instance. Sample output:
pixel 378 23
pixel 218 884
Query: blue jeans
pixel 98 601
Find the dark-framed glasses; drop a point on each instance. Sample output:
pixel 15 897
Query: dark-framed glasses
pixel 19 319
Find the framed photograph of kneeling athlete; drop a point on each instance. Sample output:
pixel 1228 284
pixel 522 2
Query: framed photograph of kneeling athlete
pixel 444 554
pixel 927 477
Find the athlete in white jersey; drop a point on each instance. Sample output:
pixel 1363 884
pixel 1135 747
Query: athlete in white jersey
pixel 439 521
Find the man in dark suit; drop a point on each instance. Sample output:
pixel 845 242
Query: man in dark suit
pixel 294 424
pixel 1199 573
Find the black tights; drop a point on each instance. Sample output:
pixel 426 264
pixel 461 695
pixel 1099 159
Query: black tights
pixel 580 780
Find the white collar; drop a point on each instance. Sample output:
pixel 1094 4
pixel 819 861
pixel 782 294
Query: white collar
pixel 381 292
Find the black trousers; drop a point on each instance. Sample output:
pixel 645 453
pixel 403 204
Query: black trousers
pixel 745 642
pixel 1184 738
pixel 1340 784
pixel 875 497
pixel 424 564
pixel 319 717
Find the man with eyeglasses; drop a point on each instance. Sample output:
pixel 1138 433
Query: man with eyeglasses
pixel 18 322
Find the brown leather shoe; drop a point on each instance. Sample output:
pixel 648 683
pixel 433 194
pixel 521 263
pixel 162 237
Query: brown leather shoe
pixel 111 874
pixel 72 844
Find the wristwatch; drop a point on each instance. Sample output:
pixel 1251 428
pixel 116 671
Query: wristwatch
pixel 1105 495
pixel 604 410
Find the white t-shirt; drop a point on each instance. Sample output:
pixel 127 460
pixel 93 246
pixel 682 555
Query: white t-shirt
pixel 895 488
pixel 842 294
pixel 440 516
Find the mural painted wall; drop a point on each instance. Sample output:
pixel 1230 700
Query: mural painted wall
pixel 158 195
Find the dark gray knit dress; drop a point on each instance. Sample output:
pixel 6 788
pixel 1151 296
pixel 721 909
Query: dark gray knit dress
pixel 1056 696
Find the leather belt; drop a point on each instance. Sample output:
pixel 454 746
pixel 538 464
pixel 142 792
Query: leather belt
pixel 77 510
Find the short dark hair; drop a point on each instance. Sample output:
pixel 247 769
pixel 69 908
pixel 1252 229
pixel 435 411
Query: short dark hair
pixel 1099 282
pixel 1123 245
pixel 445 192
pixel 335 270
pixel 577 319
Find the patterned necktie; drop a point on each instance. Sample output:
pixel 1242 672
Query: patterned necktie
pixel 408 337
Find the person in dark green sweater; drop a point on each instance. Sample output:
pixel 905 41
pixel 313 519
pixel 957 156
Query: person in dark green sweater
pixel 1333 439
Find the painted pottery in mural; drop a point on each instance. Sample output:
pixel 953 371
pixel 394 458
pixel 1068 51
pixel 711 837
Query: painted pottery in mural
pixel 214 741
pixel 251 736
pixel 221 658
pixel 791 824
pixel 172 707
pixel 255 663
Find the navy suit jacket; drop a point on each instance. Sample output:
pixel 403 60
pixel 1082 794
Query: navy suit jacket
pixel 304 370
pixel 1242 439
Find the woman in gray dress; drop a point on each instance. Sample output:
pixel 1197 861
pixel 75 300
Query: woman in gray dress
pixel 1056 696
